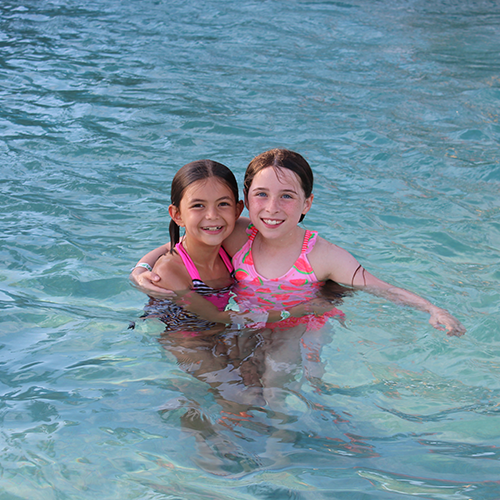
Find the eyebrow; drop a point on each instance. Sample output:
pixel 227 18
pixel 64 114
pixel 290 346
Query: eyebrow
pixel 257 188
pixel 197 200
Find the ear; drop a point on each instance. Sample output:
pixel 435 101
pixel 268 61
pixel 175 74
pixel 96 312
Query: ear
pixel 239 208
pixel 245 195
pixel 175 214
pixel 307 204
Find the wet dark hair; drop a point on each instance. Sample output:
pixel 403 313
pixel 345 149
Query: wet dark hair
pixel 192 172
pixel 281 159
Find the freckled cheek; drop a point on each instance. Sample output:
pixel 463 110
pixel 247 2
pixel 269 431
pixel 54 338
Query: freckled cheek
pixel 254 205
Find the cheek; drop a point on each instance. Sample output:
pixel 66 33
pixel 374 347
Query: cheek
pixel 251 205
pixel 256 204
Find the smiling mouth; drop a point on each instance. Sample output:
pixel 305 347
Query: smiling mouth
pixel 212 228
pixel 272 222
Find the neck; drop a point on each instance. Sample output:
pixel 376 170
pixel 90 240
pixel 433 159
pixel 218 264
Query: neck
pixel 203 256
pixel 278 244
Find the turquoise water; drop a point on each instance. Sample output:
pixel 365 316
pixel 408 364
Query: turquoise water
pixel 396 106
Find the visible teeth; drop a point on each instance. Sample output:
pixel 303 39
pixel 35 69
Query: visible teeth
pixel 272 222
pixel 216 228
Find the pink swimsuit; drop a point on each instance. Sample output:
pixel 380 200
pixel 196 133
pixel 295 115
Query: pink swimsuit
pixel 218 297
pixel 175 317
pixel 296 286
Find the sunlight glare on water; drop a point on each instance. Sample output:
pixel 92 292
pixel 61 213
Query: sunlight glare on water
pixel 395 106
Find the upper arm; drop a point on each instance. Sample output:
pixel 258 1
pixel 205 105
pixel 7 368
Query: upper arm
pixel 331 262
pixel 174 276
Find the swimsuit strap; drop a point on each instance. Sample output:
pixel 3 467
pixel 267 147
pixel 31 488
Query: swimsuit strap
pixel 226 259
pixel 252 232
pixel 309 237
pixel 191 268
pixel 309 241
pixel 188 262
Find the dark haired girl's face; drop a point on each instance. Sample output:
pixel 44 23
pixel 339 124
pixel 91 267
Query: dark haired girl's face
pixel 276 201
pixel 208 211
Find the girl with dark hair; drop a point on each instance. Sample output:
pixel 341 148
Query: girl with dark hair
pixel 204 201
pixel 274 249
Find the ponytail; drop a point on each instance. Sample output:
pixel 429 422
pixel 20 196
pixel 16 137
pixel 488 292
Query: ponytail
pixel 174 232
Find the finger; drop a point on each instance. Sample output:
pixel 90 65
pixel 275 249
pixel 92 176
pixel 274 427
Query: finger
pixel 437 325
pixel 455 332
pixel 159 293
pixel 155 291
pixel 147 278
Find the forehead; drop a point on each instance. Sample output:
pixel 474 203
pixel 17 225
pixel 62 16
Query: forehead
pixel 212 187
pixel 281 178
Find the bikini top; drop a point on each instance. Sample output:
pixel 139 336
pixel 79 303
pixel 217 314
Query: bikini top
pixel 218 297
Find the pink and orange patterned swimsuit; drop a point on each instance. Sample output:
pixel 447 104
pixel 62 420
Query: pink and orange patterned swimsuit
pixel 296 286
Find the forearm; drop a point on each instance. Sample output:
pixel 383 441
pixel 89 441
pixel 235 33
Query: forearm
pixel 145 265
pixel 151 257
pixel 402 297
pixel 369 283
pixel 206 310
pixel 439 318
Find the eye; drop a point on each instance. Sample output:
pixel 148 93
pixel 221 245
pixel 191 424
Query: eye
pixel 260 194
pixel 224 204
pixel 197 205
pixel 287 196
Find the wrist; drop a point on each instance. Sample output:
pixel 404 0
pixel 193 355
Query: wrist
pixel 142 265
pixel 435 309
pixel 296 311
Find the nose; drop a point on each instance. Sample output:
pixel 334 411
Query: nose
pixel 272 205
pixel 212 213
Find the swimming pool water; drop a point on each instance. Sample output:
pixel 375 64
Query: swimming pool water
pixel 394 104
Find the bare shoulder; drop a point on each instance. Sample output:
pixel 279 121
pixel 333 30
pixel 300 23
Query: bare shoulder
pixel 329 261
pixel 327 249
pixel 172 272
pixel 238 237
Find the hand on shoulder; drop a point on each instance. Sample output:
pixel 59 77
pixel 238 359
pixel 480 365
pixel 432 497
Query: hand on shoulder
pixel 172 273
pixel 147 282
